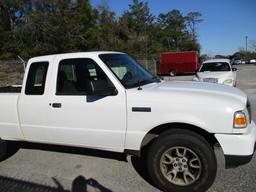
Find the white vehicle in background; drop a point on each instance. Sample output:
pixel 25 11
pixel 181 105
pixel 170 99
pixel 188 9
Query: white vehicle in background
pixel 252 61
pixel 217 71
pixel 237 62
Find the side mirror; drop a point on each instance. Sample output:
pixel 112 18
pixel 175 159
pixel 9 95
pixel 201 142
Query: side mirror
pixel 234 69
pixel 102 88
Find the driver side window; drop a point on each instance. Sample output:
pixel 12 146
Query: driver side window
pixel 79 77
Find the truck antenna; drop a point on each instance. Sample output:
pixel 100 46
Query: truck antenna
pixel 23 62
pixel 139 88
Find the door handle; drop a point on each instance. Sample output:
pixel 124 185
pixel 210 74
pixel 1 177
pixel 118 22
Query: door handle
pixel 56 105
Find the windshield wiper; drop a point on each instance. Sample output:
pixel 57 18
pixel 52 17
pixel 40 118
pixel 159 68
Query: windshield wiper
pixel 140 82
pixel 143 82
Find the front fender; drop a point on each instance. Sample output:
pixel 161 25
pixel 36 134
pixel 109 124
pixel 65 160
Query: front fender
pixel 137 131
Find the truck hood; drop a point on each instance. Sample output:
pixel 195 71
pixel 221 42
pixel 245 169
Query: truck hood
pixel 210 89
pixel 207 105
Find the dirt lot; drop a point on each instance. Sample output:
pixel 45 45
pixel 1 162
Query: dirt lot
pixel 81 170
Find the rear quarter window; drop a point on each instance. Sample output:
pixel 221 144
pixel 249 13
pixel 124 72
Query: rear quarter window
pixel 35 84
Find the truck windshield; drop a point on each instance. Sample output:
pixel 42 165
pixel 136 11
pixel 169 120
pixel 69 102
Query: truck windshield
pixel 215 66
pixel 127 70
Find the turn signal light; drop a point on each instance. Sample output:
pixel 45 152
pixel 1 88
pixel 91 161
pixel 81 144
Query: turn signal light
pixel 240 120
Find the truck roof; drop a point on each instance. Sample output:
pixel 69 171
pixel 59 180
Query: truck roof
pixel 76 54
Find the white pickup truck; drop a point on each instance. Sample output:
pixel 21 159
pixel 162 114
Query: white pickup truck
pixel 105 100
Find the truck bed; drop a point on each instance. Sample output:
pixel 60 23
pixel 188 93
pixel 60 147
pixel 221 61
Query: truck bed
pixel 10 89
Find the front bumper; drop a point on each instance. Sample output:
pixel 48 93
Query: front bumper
pixel 238 148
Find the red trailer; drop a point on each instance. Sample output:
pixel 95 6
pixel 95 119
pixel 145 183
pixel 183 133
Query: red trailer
pixel 173 63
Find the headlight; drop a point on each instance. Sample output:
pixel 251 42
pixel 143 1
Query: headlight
pixel 240 120
pixel 228 81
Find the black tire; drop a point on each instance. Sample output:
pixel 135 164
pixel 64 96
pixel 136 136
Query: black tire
pixel 172 73
pixel 196 146
pixel 3 150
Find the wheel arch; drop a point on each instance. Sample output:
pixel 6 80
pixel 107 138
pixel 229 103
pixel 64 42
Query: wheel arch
pixel 156 131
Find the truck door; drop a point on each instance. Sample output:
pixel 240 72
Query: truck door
pixel 72 117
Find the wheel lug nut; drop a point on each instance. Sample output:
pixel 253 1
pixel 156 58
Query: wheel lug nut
pixel 175 165
pixel 183 160
pixel 177 159
pixel 180 169
pixel 185 166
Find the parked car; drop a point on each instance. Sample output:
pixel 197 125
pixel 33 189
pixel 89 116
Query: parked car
pixel 237 62
pixel 173 63
pixel 217 71
pixel 252 61
pixel 247 61
pixel 105 100
pixel 243 62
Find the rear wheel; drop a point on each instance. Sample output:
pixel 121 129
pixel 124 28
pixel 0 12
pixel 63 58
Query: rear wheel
pixel 180 161
pixel 172 73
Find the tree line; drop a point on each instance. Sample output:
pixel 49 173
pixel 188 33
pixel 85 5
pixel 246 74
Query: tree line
pixel 37 27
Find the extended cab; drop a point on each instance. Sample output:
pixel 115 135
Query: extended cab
pixel 105 100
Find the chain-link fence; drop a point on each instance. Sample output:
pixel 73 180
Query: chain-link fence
pixel 150 65
pixel 11 73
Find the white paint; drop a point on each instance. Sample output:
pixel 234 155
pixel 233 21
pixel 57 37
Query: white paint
pixel 109 123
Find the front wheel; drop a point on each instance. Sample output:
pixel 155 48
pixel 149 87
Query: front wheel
pixel 181 161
